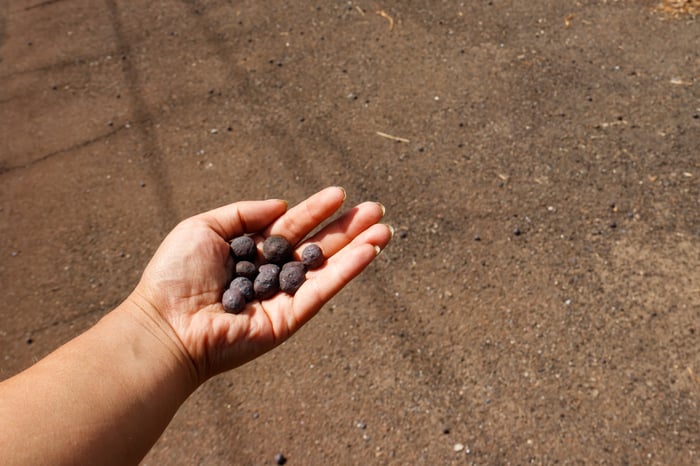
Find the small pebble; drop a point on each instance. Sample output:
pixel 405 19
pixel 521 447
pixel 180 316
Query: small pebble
pixel 280 459
pixel 458 447
pixel 517 232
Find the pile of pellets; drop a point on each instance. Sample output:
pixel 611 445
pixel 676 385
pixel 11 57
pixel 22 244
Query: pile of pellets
pixel 262 278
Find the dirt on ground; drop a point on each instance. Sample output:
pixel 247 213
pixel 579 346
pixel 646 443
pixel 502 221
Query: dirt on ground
pixel 540 161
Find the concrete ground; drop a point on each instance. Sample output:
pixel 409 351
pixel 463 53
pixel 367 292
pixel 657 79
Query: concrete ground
pixel 540 161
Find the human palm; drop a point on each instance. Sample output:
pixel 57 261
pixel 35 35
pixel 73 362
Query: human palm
pixel 183 283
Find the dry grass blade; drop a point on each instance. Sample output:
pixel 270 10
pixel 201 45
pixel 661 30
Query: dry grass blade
pixel 386 15
pixel 393 138
pixel 693 376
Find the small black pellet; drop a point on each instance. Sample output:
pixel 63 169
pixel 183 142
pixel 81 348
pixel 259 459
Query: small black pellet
pixel 292 276
pixel 233 301
pixel 245 286
pixel 243 248
pixel 267 284
pixel 277 250
pixel 246 269
pixel 312 257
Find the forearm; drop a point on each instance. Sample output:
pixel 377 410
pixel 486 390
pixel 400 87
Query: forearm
pixel 106 396
pixel 103 398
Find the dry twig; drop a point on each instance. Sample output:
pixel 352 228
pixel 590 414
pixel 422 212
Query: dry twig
pixel 393 138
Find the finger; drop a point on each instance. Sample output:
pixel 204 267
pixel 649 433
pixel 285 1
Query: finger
pixel 340 232
pixel 301 219
pixel 243 217
pixel 339 270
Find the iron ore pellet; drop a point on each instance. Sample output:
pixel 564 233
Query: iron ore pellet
pixel 292 276
pixel 277 249
pixel 267 284
pixel 233 301
pixel 312 257
pixel 243 248
pixel 245 286
pixel 246 269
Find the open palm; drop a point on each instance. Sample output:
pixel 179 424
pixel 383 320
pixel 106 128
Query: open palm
pixel 184 281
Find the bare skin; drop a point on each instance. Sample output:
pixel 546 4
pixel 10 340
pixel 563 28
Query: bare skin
pixel 106 396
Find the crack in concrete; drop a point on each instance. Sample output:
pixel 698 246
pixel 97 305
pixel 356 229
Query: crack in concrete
pixel 43 158
pixel 40 4
pixel 151 151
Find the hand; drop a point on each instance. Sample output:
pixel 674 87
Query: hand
pixel 181 288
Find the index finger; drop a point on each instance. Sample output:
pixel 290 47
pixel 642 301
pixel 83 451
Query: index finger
pixel 238 218
pixel 301 219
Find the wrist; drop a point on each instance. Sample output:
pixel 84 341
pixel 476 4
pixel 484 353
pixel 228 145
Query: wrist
pixel 161 346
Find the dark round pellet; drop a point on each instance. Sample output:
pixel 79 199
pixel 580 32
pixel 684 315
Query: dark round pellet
pixel 269 269
pixel 245 286
pixel 243 248
pixel 280 459
pixel 312 257
pixel 277 249
pixel 233 301
pixel 292 276
pixel 267 284
pixel 246 269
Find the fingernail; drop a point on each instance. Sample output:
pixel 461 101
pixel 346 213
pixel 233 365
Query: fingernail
pixel 345 195
pixel 382 207
pixel 391 230
pixel 377 250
